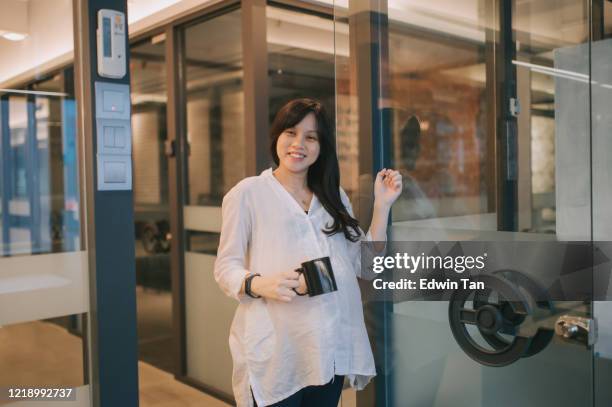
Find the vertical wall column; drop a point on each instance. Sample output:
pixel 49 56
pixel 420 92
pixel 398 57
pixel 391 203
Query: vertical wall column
pixel 369 54
pixel 255 82
pixel 598 26
pixel 109 223
pixel 507 130
pixel 69 151
pixel 491 18
pixel 524 121
pixel 32 176
pixel 5 162
pixel 177 151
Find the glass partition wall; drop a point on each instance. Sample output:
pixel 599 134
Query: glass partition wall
pixel 299 47
pixel 300 57
pixel 151 201
pixel 485 107
pixel 415 85
pixel 190 146
pixel 215 161
pixel 601 143
pixel 41 190
pixel 44 291
pixel 437 89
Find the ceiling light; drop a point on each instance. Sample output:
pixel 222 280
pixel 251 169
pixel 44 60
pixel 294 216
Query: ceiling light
pixel 14 36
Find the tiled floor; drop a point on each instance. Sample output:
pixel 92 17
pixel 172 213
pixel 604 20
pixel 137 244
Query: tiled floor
pixel 42 353
pixel 159 389
pixel 155 327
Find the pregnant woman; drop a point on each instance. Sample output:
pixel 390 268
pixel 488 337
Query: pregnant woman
pixel 290 349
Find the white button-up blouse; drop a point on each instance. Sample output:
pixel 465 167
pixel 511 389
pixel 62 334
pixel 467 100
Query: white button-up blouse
pixel 278 347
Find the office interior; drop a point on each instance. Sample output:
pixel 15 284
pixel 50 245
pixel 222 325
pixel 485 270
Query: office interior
pixel 495 111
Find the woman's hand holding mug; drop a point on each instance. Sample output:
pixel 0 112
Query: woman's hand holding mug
pixel 278 286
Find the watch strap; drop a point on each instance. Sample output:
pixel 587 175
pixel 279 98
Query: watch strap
pixel 247 285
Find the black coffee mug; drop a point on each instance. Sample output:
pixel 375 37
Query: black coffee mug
pixel 319 277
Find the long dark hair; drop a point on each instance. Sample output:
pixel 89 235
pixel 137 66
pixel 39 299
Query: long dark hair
pixel 324 175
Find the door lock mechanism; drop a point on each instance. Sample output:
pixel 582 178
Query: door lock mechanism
pixel 515 107
pixel 577 329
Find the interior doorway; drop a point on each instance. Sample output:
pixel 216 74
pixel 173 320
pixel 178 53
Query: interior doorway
pixel 151 211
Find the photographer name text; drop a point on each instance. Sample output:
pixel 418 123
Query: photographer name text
pixel 428 263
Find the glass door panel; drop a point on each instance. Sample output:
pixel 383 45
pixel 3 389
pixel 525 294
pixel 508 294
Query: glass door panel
pixel 44 287
pixel 44 273
pixel 601 121
pixel 151 201
pixel 215 163
pixel 466 90
pixel 300 57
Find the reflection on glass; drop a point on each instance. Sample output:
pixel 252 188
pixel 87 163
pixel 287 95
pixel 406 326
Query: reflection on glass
pixel 40 353
pixel 215 163
pixel 44 290
pixel 215 118
pixel 149 98
pixel 346 105
pixel 40 190
pixel 438 102
pixel 415 202
pixel 151 210
pixel 440 81
pixel 545 118
pixel 300 58
pixel 607 19
pixel 203 242
pixel 601 189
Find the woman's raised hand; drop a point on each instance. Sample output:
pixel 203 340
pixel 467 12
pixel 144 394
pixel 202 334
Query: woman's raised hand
pixel 276 287
pixel 387 186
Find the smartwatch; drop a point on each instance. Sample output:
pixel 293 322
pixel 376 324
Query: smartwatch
pixel 247 285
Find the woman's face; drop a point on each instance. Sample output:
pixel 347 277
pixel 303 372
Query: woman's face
pixel 298 147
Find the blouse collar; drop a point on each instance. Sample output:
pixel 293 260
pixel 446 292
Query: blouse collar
pixel 287 197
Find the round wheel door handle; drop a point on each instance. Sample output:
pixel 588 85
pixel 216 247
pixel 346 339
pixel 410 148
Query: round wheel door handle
pixel 538 298
pixel 489 319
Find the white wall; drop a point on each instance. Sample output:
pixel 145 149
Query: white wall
pixel 50 34
pixel 49 26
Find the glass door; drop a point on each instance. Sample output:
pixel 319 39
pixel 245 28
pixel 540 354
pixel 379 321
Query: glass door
pixel 44 282
pixel 214 162
pixel 476 103
pixel 217 146
pixel 151 201
pixel 601 142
